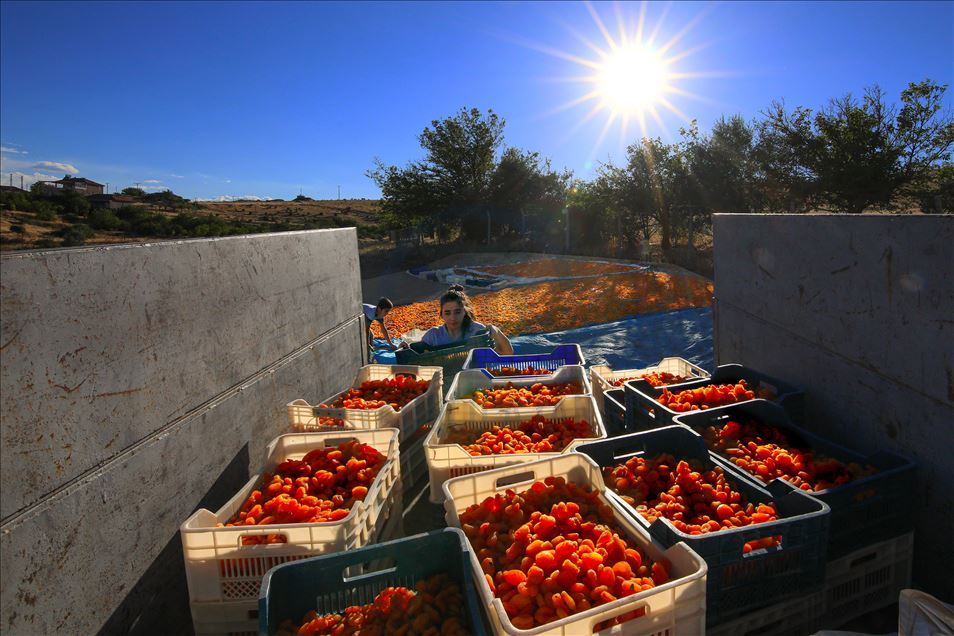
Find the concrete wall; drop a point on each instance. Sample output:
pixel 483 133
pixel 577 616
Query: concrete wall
pixel 140 382
pixel 858 310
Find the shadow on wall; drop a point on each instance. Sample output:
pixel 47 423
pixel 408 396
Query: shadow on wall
pixel 159 602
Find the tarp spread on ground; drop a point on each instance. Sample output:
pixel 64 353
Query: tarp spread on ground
pixel 564 304
pixel 636 342
pixel 524 273
pixel 625 344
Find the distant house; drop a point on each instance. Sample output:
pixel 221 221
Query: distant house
pixel 81 185
pixel 111 201
pixel 10 188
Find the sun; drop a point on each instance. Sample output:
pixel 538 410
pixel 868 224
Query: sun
pixel 634 76
pixel 631 80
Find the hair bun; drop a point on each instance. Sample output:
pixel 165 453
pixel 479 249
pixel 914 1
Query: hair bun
pixel 456 288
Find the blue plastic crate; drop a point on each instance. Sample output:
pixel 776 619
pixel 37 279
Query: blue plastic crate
pixel 449 357
pixel 737 582
pixel 863 511
pixel 322 584
pixel 614 412
pixel 643 412
pixel 489 360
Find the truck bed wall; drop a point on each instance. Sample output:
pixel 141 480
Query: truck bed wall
pixel 859 311
pixel 139 383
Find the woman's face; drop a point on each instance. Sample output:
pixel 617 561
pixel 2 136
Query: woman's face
pixel 452 313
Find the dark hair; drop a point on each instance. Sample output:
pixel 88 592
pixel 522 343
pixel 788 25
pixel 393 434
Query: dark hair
pixel 385 303
pixel 456 293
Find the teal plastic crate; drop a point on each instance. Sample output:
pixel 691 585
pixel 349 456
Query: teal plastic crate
pixel 863 511
pixel 450 357
pixel 643 412
pixel 323 584
pixel 737 582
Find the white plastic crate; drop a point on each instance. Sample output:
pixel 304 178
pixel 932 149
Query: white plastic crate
pixel 798 616
pixel 235 618
pixel 867 579
pixel 602 376
pixel 470 380
pixel 674 608
pixel 219 569
pixel 445 461
pixel 303 417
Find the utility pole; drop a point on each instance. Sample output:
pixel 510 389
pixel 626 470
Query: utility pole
pixel 339 193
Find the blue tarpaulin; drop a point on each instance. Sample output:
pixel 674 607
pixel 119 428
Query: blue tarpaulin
pixel 626 344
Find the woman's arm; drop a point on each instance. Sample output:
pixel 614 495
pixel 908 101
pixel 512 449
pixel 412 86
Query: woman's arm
pixel 503 345
pixel 387 336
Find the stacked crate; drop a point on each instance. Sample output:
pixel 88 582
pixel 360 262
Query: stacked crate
pixel 739 581
pixel 413 420
pixel 225 565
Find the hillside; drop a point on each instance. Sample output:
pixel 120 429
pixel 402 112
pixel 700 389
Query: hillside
pixel 33 224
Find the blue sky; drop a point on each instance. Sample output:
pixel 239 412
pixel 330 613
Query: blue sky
pixel 254 99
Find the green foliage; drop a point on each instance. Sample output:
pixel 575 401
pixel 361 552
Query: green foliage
pixel 134 192
pixel 451 184
pixel 74 235
pixel 102 219
pixel 73 202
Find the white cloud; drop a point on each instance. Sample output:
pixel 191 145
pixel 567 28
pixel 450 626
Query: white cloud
pixel 177 176
pixel 28 178
pixel 10 150
pixel 228 181
pixel 152 181
pixel 55 165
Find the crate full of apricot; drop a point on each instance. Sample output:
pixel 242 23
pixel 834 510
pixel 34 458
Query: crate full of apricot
pixel 649 406
pixel 467 439
pixel 554 555
pixel 761 544
pixel 868 495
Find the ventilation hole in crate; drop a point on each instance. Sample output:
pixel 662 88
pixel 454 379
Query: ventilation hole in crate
pixel 878 577
pixel 241 589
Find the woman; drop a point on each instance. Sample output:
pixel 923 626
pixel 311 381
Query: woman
pixel 460 324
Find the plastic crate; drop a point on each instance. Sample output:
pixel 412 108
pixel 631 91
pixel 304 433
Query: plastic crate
pixel 798 616
pixel 603 376
pixel 219 569
pixel 322 584
pixel 413 459
pixel 643 412
pixel 450 358
pixel 445 461
pixel 867 579
pixel 865 510
pixel 472 380
pixel 303 417
pixel 234 618
pixel 490 360
pixel 614 412
pixel 676 607
pixel 738 582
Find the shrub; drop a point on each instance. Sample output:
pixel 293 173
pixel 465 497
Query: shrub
pixel 75 234
pixel 104 220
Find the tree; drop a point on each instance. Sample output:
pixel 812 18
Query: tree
pixel 523 184
pixel 134 192
pixel 784 158
pixel 857 162
pixel 453 179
